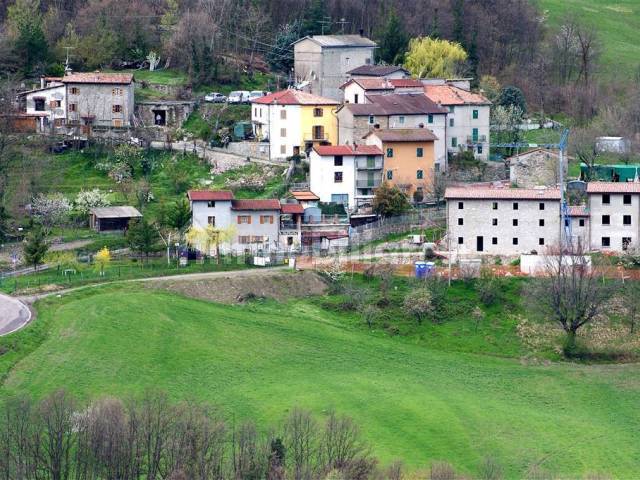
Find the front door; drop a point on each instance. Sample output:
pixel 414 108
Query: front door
pixel 479 244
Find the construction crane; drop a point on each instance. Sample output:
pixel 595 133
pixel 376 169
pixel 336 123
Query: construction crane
pixel 561 146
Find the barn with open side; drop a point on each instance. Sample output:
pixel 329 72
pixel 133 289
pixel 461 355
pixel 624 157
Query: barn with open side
pixel 109 219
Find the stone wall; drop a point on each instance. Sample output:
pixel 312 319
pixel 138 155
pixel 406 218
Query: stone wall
pixel 483 172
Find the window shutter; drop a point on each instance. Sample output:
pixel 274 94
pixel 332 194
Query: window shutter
pixel 261 219
pixel 249 217
pixel 271 219
pixel 238 219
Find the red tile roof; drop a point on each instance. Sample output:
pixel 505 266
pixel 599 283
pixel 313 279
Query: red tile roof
pixel 292 208
pixel 405 82
pixel 304 195
pixel 451 95
pixel 404 135
pixel 369 84
pixel 578 211
pixel 294 97
pixel 209 195
pixel 489 193
pixel 347 150
pixel 613 187
pixel 98 77
pixel 268 204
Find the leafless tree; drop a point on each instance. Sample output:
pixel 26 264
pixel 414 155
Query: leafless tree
pixel 250 456
pixel 301 437
pixel 340 444
pixel 589 51
pixel 572 292
pixel 56 415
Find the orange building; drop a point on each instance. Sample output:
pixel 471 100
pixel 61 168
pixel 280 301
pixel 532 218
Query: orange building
pixel 409 157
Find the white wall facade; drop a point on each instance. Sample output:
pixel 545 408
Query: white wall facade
pixel 54 105
pixel 201 211
pixel 616 231
pixel 282 146
pixel 463 125
pixel 478 217
pixel 322 177
pixel 579 231
pixel 260 121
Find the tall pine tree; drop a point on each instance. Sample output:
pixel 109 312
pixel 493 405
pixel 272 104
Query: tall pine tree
pixel 393 40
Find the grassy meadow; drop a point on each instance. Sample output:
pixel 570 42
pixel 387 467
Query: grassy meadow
pixel 419 396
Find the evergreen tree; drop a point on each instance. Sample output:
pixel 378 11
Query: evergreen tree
pixel 142 237
pixel 435 26
pixel 390 200
pixel 393 40
pixel 512 96
pixel 458 21
pixel 36 247
pixel 4 223
pixel 313 18
pixel 280 57
pixel 30 43
pixel 179 216
pixel 473 60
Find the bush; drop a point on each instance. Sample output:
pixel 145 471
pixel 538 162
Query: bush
pixel 419 305
pixel 488 288
pixel 490 470
pixel 442 471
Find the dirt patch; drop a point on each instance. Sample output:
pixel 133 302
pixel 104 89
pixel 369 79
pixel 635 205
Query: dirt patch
pixel 235 289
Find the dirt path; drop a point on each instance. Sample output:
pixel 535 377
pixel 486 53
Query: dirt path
pixel 13 314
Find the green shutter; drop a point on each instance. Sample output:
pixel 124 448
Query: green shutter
pixel 475 114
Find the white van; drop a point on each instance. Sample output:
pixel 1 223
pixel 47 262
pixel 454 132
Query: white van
pixel 239 96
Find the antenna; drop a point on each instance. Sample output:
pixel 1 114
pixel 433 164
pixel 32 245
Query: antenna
pixel 342 23
pixel 67 68
pixel 325 22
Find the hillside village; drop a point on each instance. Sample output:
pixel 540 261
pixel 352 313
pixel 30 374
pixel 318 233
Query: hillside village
pixel 318 241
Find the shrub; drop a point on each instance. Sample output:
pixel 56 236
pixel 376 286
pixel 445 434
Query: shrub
pixel 488 288
pixel 490 470
pixel 419 305
pixel 442 471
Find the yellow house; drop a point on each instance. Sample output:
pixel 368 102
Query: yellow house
pixel 409 158
pixel 294 121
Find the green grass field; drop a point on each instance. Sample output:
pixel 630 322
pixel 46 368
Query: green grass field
pixel 413 399
pixel 617 23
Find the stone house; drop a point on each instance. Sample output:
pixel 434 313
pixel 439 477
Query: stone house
pixel 325 60
pixel 163 113
pixel 534 168
pixel 502 221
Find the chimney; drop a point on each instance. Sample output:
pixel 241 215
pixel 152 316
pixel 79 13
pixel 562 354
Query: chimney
pixel 362 32
pixel 42 82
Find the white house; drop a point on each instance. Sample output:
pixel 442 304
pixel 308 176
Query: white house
pixel 379 71
pixel 614 215
pixel 345 174
pixel 325 60
pixel 502 221
pixel 47 102
pixel 468 120
pixel 358 90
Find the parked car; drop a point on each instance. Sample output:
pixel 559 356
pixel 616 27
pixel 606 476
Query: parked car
pixel 215 97
pixel 238 96
pixel 256 94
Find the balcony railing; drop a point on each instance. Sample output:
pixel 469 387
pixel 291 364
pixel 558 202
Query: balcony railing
pixel 288 226
pixel 476 139
pixel 369 183
pixel 311 137
pixel 365 164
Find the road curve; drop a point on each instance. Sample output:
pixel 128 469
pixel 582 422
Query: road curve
pixel 13 314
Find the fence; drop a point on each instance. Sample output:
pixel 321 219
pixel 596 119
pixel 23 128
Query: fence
pixel 387 226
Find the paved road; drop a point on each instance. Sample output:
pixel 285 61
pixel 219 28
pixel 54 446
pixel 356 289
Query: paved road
pixel 13 314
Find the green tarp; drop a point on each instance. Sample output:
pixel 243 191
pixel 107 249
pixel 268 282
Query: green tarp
pixel 611 173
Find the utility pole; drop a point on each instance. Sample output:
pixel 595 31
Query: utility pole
pixel 325 22
pixel 342 23
pixel 67 68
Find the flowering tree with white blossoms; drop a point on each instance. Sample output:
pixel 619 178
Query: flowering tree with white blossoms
pixel 50 210
pixel 88 199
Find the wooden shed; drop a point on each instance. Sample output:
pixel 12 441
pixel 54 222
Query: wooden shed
pixel 105 219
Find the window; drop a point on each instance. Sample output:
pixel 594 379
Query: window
pixel 75 91
pixel 626 219
pixel 494 240
pixel 116 108
pixel 460 221
pixel 211 204
pixel 255 112
pixel 460 205
pixel 266 219
pixel 606 242
pixel 372 119
pixel 460 240
pixel 420 174
pixel 244 239
pixel 581 222
pixel 606 220
pixel 337 177
pixel 371 161
pixel 454 142
pixel 479 149
pixel 494 205
pixel 73 107
pixel 566 222
pixel 626 199
pixel 117 122
pixel 451 122
pixel 430 118
pixel 541 241
pixel 515 205
pixel 116 91
pixel 318 132
pixel 515 222
pixel 283 149
pixel 494 222
pixel 244 219
pixel 389 152
pixel 342 198
pixel 355 98
pixel 389 175
pixel 475 114
pixel 401 120
pixel 318 112
pixel 419 152
pixel 283 114
pixel 452 109
pixel 474 135
pixel 541 205
pixel 626 241
pixel 211 221
pixel 436 167
pixel 38 104
pixel 606 199
pixel 289 241
pixel 346 61
pixel 337 161
pixel 283 132
pixel 541 222
pixel 367 61
pixel 515 240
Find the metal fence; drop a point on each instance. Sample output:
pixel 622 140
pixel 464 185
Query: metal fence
pixel 402 223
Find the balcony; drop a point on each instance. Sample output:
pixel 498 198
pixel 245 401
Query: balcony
pixel 314 137
pixel 472 140
pixel 368 164
pixel 289 226
pixel 368 183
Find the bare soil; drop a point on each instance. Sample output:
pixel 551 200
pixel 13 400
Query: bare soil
pixel 279 286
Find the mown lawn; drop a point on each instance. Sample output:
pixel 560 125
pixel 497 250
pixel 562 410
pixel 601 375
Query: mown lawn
pixel 414 401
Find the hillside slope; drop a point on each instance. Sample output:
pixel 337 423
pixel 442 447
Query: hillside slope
pixel 617 23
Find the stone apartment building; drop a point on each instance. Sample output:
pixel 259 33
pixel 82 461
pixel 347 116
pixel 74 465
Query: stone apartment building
pixel 324 61
pixel 404 111
pixel 614 215
pixel 99 100
pixel 502 221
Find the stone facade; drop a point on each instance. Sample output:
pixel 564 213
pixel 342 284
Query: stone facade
pixel 163 113
pixel 535 168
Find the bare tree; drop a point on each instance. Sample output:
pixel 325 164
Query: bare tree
pixel 572 292
pixel 301 437
pixel 56 415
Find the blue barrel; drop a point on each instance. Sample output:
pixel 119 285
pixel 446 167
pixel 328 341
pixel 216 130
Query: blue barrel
pixel 421 269
pixel 430 268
